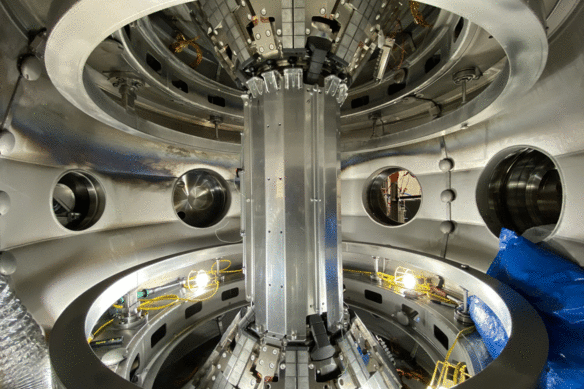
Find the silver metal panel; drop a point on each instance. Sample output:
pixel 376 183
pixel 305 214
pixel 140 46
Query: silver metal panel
pixel 292 233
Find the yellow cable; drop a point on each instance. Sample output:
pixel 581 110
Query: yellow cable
pixel 464 331
pixel 99 330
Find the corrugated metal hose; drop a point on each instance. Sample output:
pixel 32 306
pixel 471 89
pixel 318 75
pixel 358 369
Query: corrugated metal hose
pixel 24 355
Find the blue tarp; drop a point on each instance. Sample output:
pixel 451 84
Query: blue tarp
pixel 488 326
pixel 555 288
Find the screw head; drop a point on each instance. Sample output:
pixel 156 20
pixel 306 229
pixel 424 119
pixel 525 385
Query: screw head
pixel 447 196
pixel 264 12
pixel 446 164
pixel 322 11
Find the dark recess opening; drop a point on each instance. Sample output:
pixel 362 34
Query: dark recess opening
pixel 180 84
pixel 153 63
pixel 394 88
pixel 431 63
pixel 193 309
pixel 441 336
pixel 158 335
pixel 458 29
pixel 134 369
pixel 229 294
pixel 217 100
pixel 373 296
pixel 360 101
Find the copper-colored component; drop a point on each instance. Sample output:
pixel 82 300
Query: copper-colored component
pixel 182 43
pixel 418 17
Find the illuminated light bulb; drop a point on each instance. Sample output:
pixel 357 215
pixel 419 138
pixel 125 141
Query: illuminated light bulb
pixel 409 281
pixel 202 279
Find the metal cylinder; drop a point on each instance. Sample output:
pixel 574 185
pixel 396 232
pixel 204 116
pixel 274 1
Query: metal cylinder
pixel 292 235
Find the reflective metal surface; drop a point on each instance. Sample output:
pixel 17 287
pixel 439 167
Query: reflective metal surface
pixel 201 198
pixel 420 125
pixel 522 191
pixel 525 329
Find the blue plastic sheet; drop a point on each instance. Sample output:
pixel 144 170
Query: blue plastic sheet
pixel 488 326
pixel 555 288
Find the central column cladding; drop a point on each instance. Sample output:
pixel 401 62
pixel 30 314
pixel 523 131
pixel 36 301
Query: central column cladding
pixel 291 215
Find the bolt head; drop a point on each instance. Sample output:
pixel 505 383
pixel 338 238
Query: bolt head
pixel 446 164
pixel 282 366
pixel 447 227
pixel 447 196
pixel 322 11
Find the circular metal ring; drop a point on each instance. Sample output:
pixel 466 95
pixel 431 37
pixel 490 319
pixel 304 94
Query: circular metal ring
pixel 76 30
pixel 76 366
pixel 518 27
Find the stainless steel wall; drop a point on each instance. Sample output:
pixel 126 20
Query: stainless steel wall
pixel 55 265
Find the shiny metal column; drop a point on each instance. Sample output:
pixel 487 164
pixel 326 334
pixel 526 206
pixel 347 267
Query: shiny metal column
pixel 291 207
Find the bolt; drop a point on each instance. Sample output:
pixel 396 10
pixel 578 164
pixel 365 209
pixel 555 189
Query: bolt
pixel 464 300
pixel 264 349
pixel 278 32
pixel 377 17
pixel 258 36
pixel 447 227
pixel 249 41
pixel 249 16
pixel 308 31
pixel 224 355
pixel 261 362
pixel 213 378
pixel 271 365
pixel 322 11
pixel 271 46
pixel 311 366
pixel 446 164
pixel 274 351
pixel 243 4
pixel 264 12
pixel 283 366
pixel 268 33
pixel 447 196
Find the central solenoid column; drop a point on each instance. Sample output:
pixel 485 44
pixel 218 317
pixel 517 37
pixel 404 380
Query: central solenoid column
pixel 291 202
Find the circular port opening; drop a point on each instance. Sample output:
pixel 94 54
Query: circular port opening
pixel 520 190
pixel 78 201
pixel 201 198
pixel 392 196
